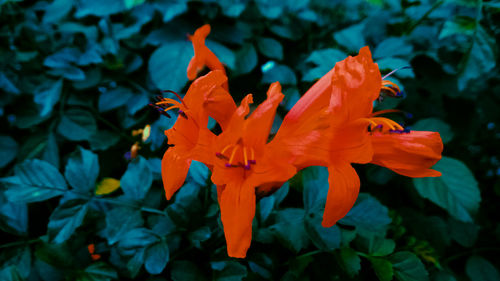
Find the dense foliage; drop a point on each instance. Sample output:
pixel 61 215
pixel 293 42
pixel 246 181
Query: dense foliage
pixel 76 78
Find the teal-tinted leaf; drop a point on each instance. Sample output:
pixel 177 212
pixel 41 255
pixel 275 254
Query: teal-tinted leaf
pixel 120 221
pixel 77 124
pixel 65 219
pixel 185 271
pixel 137 102
pixel 134 265
pixel 34 180
pixel 63 58
pixel 231 271
pixel 456 190
pixel 246 59
pixel 8 150
pixel 198 172
pixel 158 128
pixel 167 65
pixel 92 55
pixel 28 115
pixel 270 9
pixel 69 72
pixel 98 8
pixel 290 228
pixel 350 261
pixel 435 125
pixel 351 37
pixel 47 96
pixel 224 54
pixel 407 267
pixel 13 216
pixel 443 276
pixel 171 8
pixel 390 63
pixel 368 215
pixel 41 146
pixel 82 170
pixel 7 85
pixel 393 47
pixel 103 140
pixel 379 246
pixel 266 205
pixel 57 10
pixel 232 8
pixel 479 269
pixel 315 182
pixel 479 60
pixel 383 269
pixel 325 238
pixel 324 60
pixel 136 239
pixel 464 233
pixel 270 48
pixel 281 73
pixel 10 273
pixel 157 256
pixel 132 3
pixel 458 25
pixel 200 235
pixel 100 271
pixel 111 99
pixel 137 179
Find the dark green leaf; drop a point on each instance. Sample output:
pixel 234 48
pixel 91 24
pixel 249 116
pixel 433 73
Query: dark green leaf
pixel 34 180
pixel 48 95
pixel 157 256
pixel 13 216
pixel 65 219
pixel 8 150
pixel 103 140
pixel 100 272
pixel 185 271
pixel 324 60
pixel 137 179
pixel 350 261
pixel 280 73
pixel 290 228
pixel 246 59
pixel 114 98
pixel 351 37
pixel 136 239
pixel 7 85
pixel 270 48
pixel 57 10
pixel 383 269
pixel 458 25
pixel 98 8
pixel 367 215
pixel 315 182
pixel 230 271
pixel 407 267
pixel 456 190
pixel 393 47
pixel 325 238
pixel 120 221
pixel 82 170
pixel 464 233
pixel 479 269
pixel 77 124
pixel 167 65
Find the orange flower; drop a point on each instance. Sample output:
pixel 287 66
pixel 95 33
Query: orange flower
pixel 243 162
pixel 202 55
pixel 189 136
pixel 336 127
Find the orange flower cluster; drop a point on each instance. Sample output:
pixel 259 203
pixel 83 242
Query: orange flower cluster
pixel 332 125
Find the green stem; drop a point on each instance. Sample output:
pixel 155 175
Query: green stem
pixel 421 19
pixel 312 253
pixel 467 253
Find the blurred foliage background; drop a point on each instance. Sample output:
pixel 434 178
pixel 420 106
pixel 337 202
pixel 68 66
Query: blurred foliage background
pixel 75 79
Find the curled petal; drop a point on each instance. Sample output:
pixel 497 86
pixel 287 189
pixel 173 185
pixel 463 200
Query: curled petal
pixel 410 154
pixel 343 191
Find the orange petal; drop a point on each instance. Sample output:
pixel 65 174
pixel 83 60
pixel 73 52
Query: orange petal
pixel 174 169
pixel 410 154
pixel 259 123
pixel 351 143
pixel 237 207
pixel 202 55
pixel 343 191
pixel 356 83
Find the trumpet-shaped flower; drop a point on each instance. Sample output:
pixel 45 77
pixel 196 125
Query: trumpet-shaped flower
pixel 244 161
pixel 189 137
pixel 336 125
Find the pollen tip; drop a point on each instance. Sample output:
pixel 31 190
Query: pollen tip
pixel 252 162
pixel 228 165
pixel 247 167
